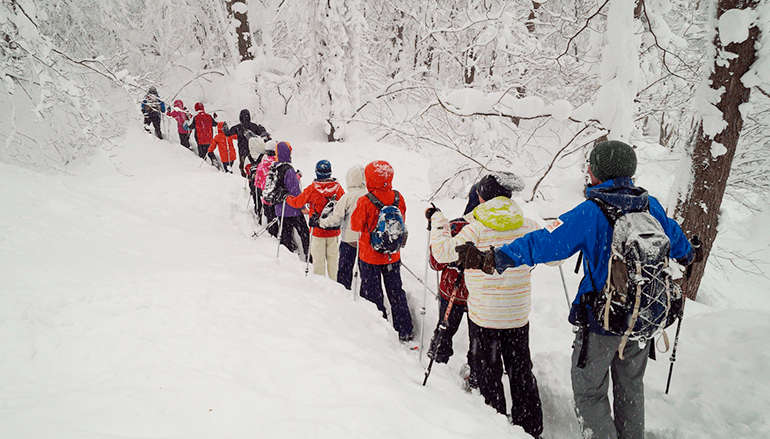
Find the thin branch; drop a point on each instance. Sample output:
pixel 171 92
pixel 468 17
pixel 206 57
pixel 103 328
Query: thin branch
pixel 665 51
pixel 585 26
pixel 761 90
pixel 556 157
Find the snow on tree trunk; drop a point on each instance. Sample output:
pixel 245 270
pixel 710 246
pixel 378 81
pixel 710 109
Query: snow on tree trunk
pixel 620 71
pixel 238 14
pixel 337 29
pixel 717 132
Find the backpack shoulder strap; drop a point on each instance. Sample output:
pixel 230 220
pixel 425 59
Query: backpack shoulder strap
pixel 376 201
pixel 396 199
pixel 612 213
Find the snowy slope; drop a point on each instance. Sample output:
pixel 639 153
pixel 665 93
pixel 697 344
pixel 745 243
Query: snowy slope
pixel 135 304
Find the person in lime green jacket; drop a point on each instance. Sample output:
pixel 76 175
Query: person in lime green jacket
pixel 498 305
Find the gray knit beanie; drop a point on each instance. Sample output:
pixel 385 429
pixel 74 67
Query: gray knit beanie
pixel 612 159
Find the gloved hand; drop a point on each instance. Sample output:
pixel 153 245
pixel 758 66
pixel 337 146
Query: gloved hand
pixel 697 248
pixel 430 211
pixel 470 257
pixel 313 221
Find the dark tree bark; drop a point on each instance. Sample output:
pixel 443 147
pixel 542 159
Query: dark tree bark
pixel 243 32
pixel 699 210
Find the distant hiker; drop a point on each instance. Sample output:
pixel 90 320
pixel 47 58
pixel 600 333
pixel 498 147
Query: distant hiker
pixel 182 117
pixel 245 130
pixel 285 181
pixel 340 217
pixel 586 228
pixel 498 306
pixel 203 124
pixel 447 285
pixel 260 177
pixel 376 266
pixel 324 246
pixel 225 145
pixel 152 108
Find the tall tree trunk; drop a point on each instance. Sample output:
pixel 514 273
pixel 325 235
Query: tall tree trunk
pixel 699 208
pixel 237 10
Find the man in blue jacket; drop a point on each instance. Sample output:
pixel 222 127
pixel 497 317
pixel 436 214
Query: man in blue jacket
pixel 586 228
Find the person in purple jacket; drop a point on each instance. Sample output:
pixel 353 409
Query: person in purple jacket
pixel 292 218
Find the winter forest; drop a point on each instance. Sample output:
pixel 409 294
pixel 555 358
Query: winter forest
pixel 449 90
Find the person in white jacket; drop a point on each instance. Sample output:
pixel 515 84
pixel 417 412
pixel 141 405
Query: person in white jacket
pixel 498 305
pixel 355 188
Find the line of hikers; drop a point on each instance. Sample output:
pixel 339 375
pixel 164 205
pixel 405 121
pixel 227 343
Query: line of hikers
pixel 485 258
pixel 205 138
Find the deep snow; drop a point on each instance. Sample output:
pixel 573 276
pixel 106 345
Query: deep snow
pixel 136 304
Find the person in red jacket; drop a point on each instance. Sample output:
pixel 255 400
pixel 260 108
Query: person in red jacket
pixel 324 247
pixel 377 267
pixel 203 124
pixel 226 149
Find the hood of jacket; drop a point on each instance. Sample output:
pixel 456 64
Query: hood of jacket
pixel 500 213
pixel 379 175
pixel 327 187
pixel 245 116
pixel 179 104
pixel 283 152
pixel 355 178
pixel 621 193
pixel 198 106
pixel 219 127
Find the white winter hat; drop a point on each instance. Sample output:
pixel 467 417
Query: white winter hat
pixel 270 145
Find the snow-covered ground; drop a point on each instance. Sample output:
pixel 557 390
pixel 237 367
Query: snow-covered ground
pixel 134 303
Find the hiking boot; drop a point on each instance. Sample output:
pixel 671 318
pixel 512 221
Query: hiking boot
pixel 470 381
pixel 403 338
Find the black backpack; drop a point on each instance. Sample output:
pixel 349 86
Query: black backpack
pixel 640 298
pixel 390 234
pixel 275 189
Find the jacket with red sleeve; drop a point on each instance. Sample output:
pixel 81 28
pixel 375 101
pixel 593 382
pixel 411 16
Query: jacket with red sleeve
pixel 379 179
pixel 316 196
pixel 179 113
pixel 450 271
pixel 225 145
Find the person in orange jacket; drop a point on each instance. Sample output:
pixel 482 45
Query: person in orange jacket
pixel 324 247
pixel 226 149
pixel 377 267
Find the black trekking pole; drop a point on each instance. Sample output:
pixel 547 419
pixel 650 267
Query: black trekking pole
pixel 438 333
pixel 307 256
pixel 695 242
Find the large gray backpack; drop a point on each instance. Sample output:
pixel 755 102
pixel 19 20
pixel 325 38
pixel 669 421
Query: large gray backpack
pixel 640 298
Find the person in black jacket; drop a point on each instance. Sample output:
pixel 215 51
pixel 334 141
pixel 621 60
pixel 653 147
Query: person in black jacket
pixel 152 108
pixel 245 130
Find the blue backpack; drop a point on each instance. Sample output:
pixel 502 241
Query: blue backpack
pixel 389 235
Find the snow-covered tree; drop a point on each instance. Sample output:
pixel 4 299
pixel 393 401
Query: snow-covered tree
pixel 337 35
